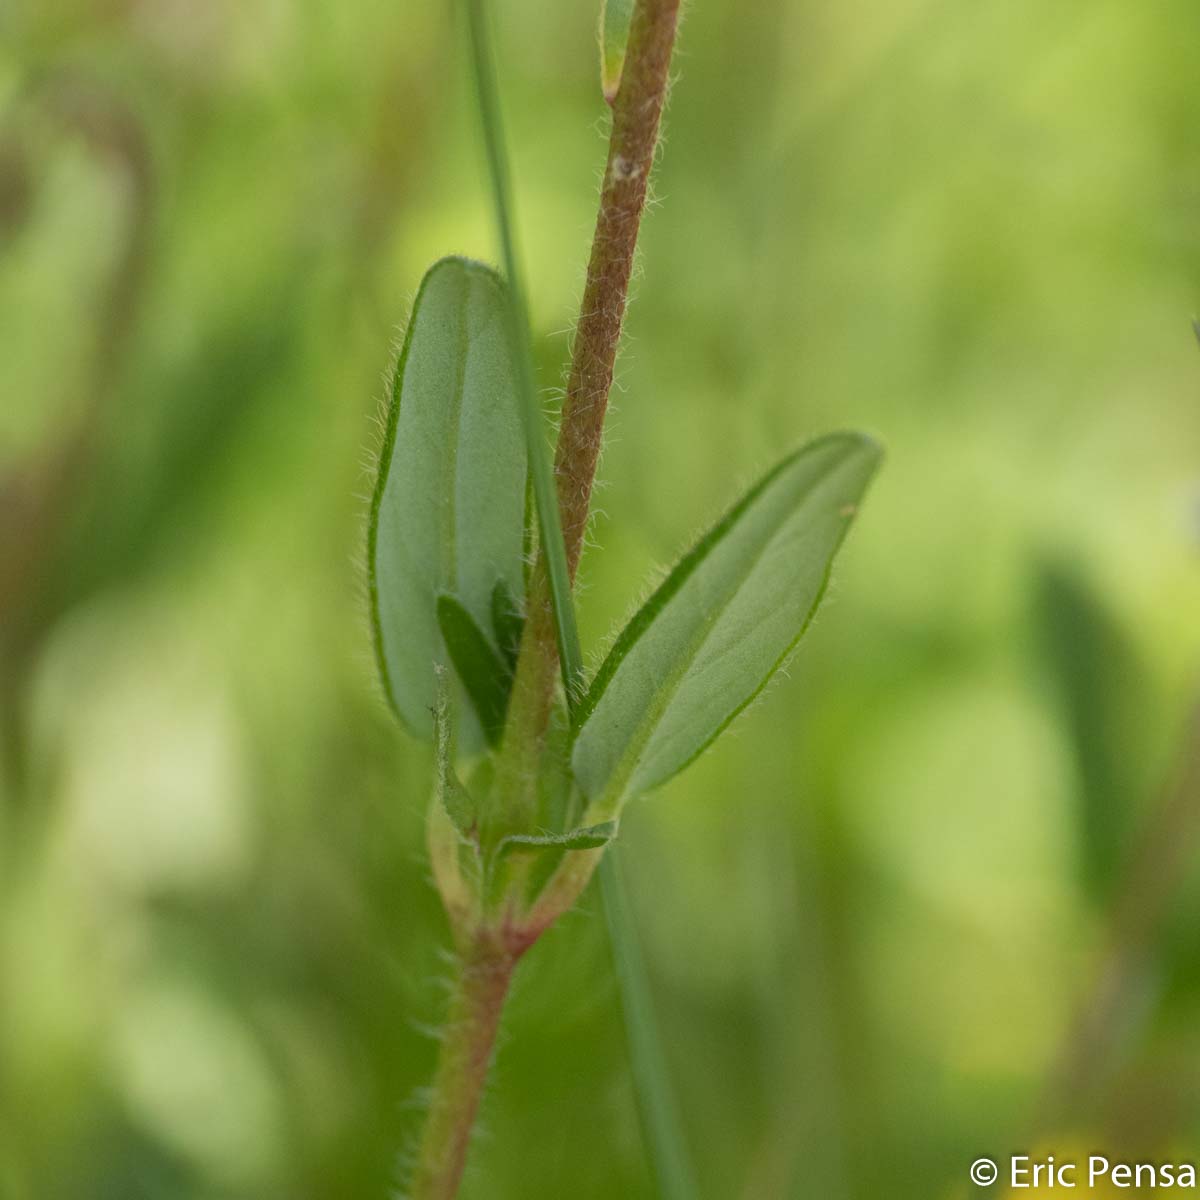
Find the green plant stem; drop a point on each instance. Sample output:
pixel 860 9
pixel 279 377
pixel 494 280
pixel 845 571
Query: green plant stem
pixel 657 1109
pixel 553 553
pixel 466 1054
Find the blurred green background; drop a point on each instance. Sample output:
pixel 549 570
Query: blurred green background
pixel 874 915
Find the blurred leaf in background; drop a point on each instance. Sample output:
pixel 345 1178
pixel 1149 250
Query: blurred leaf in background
pixel 1100 688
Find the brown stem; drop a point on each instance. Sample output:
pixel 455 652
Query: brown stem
pixel 636 114
pixel 637 111
pixel 463 1064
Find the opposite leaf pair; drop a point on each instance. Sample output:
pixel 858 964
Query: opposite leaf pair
pixel 447 553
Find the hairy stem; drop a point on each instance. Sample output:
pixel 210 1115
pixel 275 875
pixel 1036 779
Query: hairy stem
pixel 463 1063
pixel 486 973
pixel 637 112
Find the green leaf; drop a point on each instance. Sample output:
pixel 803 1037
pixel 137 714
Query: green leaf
pixel 589 837
pixel 507 623
pixel 448 513
pixel 724 620
pixel 486 677
pixel 615 18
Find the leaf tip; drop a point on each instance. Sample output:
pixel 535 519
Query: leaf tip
pixel 862 447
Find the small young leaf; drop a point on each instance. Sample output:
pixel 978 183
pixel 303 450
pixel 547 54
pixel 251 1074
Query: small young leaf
pixel 615 18
pixel 486 677
pixel 448 513
pixel 710 637
pixel 587 838
pixel 507 624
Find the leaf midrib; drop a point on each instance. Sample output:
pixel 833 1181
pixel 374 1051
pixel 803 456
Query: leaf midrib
pixel 449 540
